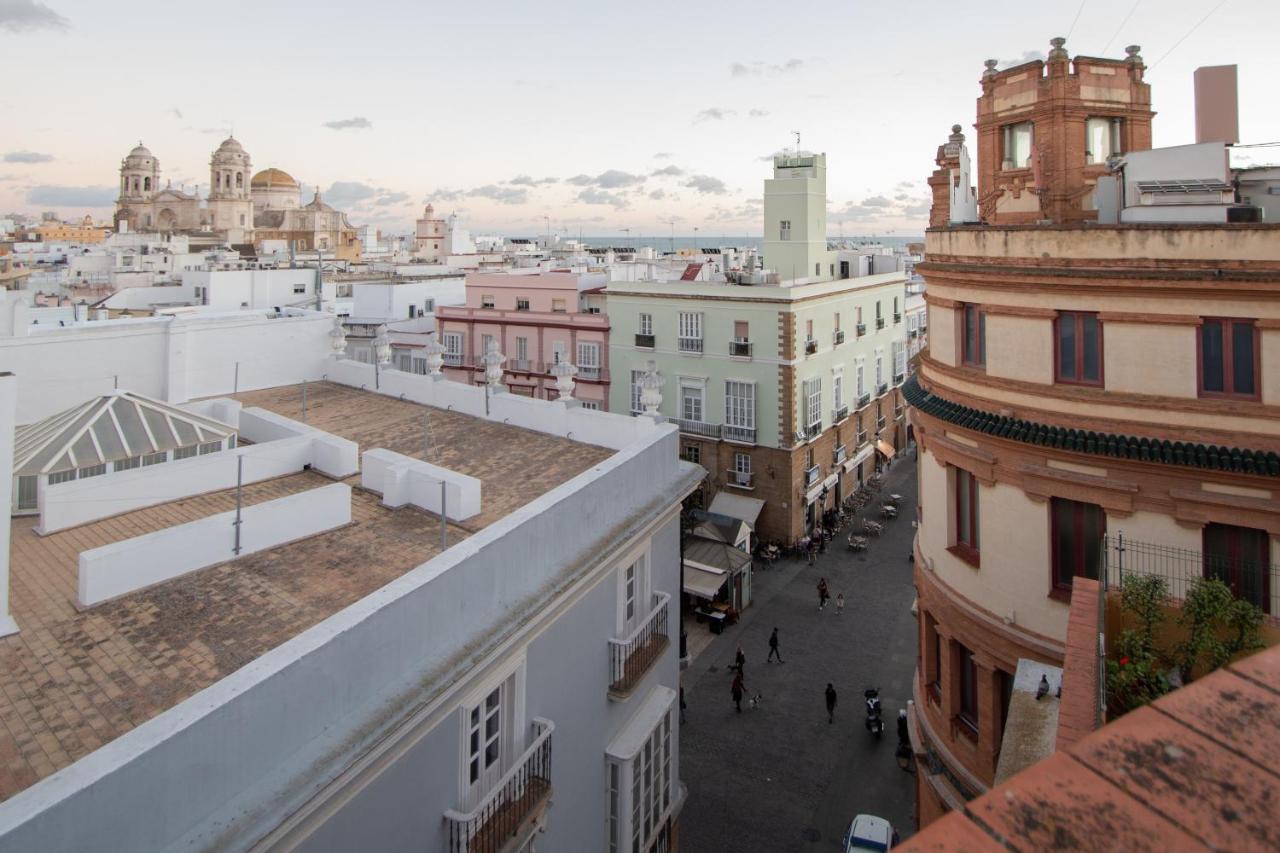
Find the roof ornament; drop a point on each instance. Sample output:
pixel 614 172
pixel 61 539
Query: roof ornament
pixel 337 338
pixel 990 68
pixel 1058 49
pixel 564 372
pixel 1132 55
pixel 651 382
pixel 492 361
pixel 435 351
pixel 382 347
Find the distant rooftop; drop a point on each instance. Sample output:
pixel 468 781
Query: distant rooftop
pixel 77 679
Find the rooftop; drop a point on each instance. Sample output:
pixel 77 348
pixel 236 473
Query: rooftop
pixel 1196 770
pixel 77 679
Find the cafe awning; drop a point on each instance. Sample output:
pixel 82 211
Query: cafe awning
pixel 703 583
pixel 885 449
pixel 858 458
pixel 737 506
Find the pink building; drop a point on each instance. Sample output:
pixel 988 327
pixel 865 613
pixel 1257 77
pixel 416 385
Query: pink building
pixel 537 321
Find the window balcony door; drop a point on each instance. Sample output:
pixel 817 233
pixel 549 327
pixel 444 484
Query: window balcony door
pixel 488 740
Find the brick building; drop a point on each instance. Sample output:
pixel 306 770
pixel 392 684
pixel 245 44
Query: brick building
pixel 1082 382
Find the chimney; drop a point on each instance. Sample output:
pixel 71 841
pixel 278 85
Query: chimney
pixel 1217 108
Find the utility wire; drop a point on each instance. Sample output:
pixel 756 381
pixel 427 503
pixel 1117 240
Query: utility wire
pixel 1075 20
pixel 1188 35
pixel 1136 3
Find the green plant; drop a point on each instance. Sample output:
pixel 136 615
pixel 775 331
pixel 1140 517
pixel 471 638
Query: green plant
pixel 1136 675
pixel 1219 626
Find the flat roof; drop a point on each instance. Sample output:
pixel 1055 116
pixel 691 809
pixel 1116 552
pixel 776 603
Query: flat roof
pixel 748 292
pixel 74 680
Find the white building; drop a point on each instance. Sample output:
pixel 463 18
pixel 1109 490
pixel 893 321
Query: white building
pixel 365 687
pixel 234 289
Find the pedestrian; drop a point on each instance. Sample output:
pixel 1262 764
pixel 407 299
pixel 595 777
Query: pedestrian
pixel 904 735
pixel 839 603
pixel 823 593
pixel 812 552
pixel 739 660
pixel 831 703
pixel 773 647
pixel 737 689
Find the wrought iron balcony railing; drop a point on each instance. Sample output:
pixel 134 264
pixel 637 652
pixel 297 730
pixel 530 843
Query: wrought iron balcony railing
pixel 632 656
pixel 508 814
pixel 740 349
pixel 698 428
pixel 743 435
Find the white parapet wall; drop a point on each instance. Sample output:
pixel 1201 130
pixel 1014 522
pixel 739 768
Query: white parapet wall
pixel 404 480
pixel 133 564
pixel 281 446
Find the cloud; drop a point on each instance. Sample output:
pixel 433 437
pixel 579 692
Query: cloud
pixel 668 171
pixel 757 68
pixel 392 198
pixel 916 209
pixel 27 156
pixel 877 201
pixel 663 155
pixel 612 179
pixel 1028 56
pixel 343 194
pixel 706 184
pixel 658 194
pixel 72 196
pixel 356 123
pixel 595 196
pixel 444 195
pixel 580 180
pixel 502 195
pixel 527 181
pixel 904 185
pixel 713 114
pixel 757 113
pixel 21 16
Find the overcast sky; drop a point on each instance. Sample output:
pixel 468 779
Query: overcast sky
pixel 599 115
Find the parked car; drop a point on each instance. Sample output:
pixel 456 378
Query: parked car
pixel 868 832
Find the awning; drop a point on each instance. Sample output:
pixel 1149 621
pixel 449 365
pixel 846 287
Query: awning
pixel 858 458
pixel 702 583
pixel 885 449
pixel 737 506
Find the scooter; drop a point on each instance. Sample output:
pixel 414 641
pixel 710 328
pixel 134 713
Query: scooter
pixel 874 723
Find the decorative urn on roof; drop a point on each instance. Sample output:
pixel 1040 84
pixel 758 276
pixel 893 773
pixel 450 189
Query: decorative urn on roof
pixel 492 361
pixel 651 382
pixel 564 372
pixel 337 338
pixel 434 351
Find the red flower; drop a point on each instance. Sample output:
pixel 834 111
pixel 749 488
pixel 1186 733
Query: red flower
pixel 1124 661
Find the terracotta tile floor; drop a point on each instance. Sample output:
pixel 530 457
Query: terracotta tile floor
pixel 71 680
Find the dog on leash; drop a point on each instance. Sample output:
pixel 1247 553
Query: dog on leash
pixel 755 700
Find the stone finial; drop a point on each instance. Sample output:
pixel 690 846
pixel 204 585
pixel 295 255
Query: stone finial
pixel 1057 49
pixel 382 346
pixel 564 372
pixel 1132 56
pixel 492 361
pixel 990 67
pixel 651 383
pixel 434 351
pixel 337 338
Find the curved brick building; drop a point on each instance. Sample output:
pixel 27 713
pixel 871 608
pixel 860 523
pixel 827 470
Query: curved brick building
pixel 1103 368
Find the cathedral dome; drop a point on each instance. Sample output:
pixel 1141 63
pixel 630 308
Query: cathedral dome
pixel 231 152
pixel 231 145
pixel 141 151
pixel 269 179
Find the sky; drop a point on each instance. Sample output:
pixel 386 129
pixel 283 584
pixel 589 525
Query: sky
pixel 575 117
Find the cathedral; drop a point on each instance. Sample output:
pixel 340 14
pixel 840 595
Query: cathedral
pixel 241 208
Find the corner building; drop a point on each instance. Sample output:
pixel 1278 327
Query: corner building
pixel 1085 385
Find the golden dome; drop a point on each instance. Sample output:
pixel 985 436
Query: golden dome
pixel 270 179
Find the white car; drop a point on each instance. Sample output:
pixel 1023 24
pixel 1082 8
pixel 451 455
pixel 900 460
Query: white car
pixel 868 832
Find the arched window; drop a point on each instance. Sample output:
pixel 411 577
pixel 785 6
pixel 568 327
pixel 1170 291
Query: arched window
pixel 239 179
pixel 135 184
pixel 146 184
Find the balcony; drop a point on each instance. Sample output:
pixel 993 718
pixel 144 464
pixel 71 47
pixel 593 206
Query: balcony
pixel 860 329
pixel 742 435
pixel 913 333
pixel 453 359
pixel 862 437
pixel 509 815
pixel 882 389
pixel 898 378
pixel 811 475
pixel 690 345
pixel 837 337
pixel 838 455
pixel 520 365
pixel 813 430
pixel 631 657
pixel 838 414
pixel 740 349
pixel 879 323
pixel 810 346
pixel 705 430
pixel 592 373
pixel 864 401
pixel 897 318
pixel 740 479
pixel 880 422
pixel 644 341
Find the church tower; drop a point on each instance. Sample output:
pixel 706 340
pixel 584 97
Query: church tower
pixel 139 181
pixel 230 198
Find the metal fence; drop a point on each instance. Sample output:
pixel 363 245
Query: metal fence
pixel 1253 580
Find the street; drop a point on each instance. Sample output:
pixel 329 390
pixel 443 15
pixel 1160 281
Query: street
pixel 780 777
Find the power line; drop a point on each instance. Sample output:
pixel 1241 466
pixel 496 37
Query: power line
pixel 1136 3
pixel 1076 19
pixel 1188 35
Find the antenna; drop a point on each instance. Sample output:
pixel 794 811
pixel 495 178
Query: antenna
pixel 797 134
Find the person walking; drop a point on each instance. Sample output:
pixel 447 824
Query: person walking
pixel 738 661
pixel 737 689
pixel 831 703
pixel 839 603
pixel 773 647
pixel 823 593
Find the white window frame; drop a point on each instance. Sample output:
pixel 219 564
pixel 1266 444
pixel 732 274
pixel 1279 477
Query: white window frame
pixel 590 405
pixel 811 402
pixel 899 359
pixel 636 375
pixel 654 760
pixel 589 354
pixel 740 404
pixel 879 370
pixel 861 379
pixel 742 463
pixel 452 342
pixel 512 675
pixel 837 390
pixel 646 324
pixel 784 230
pixel 633 594
pixel 686 397
pixel 690 325
pixel 522 349
pixel 1007 134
